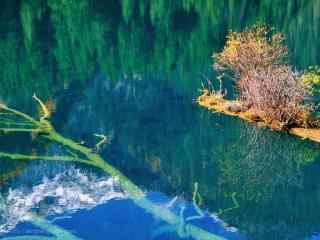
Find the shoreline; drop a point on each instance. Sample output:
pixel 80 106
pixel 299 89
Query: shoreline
pixel 217 103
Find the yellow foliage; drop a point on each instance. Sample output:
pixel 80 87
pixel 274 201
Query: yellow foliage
pixel 267 84
pixel 253 48
pixel 311 79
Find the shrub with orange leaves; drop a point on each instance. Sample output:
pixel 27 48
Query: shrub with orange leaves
pixel 267 84
pixel 253 48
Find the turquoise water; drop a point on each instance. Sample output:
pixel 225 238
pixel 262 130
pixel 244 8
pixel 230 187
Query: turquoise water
pixel 131 70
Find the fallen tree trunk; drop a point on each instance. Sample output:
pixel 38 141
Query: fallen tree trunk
pixel 85 155
pixel 217 103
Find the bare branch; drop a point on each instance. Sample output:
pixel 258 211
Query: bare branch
pixel 20 114
pixel 17 156
pixel 45 111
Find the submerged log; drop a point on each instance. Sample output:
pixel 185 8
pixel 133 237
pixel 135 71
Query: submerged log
pixel 217 103
pixel 81 154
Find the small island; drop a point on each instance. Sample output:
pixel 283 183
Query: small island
pixel 270 92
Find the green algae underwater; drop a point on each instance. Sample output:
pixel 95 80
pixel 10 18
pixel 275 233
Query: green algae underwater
pixel 154 55
pixel 44 128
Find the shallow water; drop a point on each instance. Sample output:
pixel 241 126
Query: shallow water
pixel 132 71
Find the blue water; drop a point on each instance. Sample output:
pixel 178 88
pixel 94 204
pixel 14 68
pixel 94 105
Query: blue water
pixel 131 70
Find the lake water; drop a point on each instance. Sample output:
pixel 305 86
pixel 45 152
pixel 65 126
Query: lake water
pixel 131 70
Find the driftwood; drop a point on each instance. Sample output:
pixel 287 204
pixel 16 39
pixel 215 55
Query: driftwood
pixel 217 103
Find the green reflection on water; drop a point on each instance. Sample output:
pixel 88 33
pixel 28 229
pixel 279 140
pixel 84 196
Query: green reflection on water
pixel 61 41
pixel 55 43
pixel 82 154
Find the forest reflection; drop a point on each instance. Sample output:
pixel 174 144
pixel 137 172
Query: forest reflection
pixel 125 68
pixel 53 43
